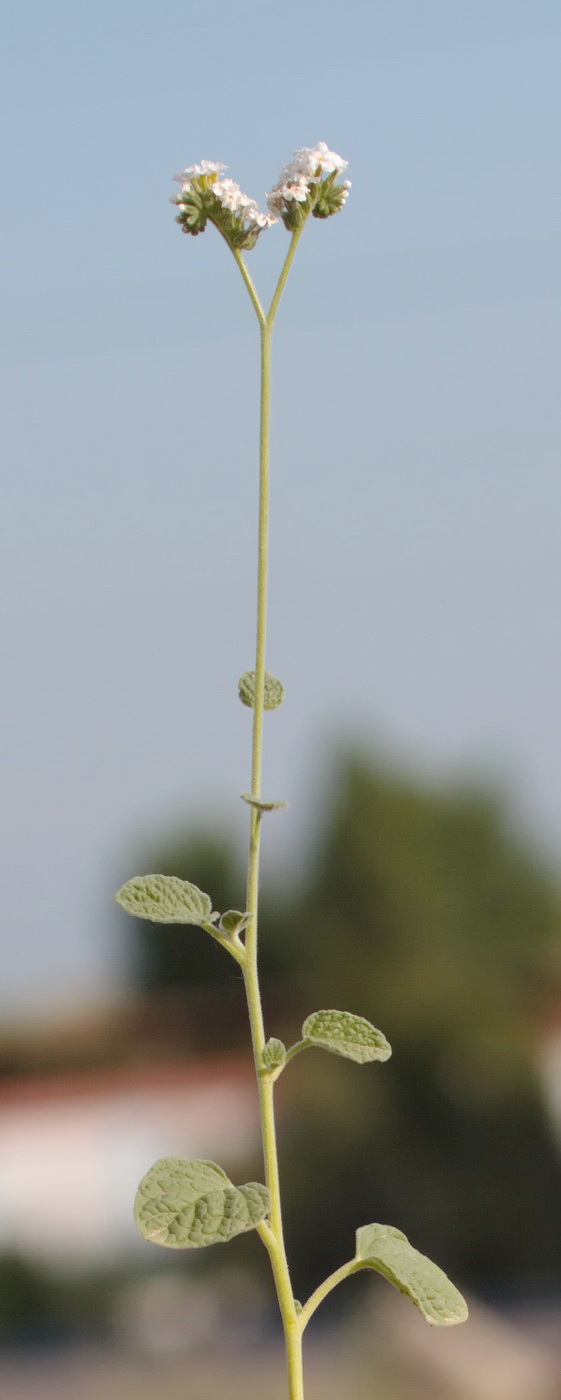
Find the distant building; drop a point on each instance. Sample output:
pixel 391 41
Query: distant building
pixel 73 1149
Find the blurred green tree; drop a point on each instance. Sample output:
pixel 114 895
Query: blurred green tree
pixel 424 912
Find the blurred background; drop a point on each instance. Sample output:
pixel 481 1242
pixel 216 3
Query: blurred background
pixel 415 579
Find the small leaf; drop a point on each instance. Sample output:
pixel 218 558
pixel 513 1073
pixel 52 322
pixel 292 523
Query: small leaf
pixel 165 899
pixel 274 1054
pixel 262 806
pixel 387 1250
pixel 188 1204
pixel 347 1035
pixel 233 921
pixel 273 693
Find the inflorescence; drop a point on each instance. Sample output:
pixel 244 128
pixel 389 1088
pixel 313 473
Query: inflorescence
pixel 308 184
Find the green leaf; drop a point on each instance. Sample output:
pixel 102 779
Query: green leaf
pixel 347 1035
pixel 274 1054
pixel 233 921
pixel 165 899
pixel 260 805
pixel 273 694
pixel 187 1204
pixel 387 1250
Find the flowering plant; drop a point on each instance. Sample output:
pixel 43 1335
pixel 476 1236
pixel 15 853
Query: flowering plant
pixel 189 1204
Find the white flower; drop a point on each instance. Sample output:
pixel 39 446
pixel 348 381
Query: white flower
pixel 229 194
pixel 206 167
pixel 297 191
pixel 260 220
pixel 307 160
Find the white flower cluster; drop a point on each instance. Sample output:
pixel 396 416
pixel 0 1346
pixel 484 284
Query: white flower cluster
pixel 228 193
pixel 308 165
pixel 309 184
pixel 232 197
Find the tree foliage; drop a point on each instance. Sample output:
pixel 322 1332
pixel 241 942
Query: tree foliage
pixel 426 913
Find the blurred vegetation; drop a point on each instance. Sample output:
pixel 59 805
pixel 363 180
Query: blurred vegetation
pixel 39 1305
pixel 425 912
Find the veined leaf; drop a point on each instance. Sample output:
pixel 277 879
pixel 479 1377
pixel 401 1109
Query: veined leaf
pixel 387 1250
pixel 188 1204
pixel 165 899
pixel 273 695
pixel 274 1053
pixel 346 1034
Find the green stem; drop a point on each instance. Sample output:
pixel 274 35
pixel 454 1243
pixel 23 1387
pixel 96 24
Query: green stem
pixel 295 1050
pixel 324 1288
pixel 284 273
pixel 272 1232
pixel 250 285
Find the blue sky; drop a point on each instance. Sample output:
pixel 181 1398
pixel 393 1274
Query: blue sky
pixel 416 496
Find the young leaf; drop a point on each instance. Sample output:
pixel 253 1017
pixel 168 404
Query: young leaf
pixel 347 1035
pixel 233 921
pixel 273 693
pixel 165 899
pixel 274 1054
pixel 387 1250
pixel 188 1204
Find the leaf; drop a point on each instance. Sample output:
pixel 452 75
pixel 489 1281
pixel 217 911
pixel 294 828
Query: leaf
pixel 165 899
pixel 273 693
pixel 233 921
pixel 387 1250
pixel 260 805
pixel 347 1035
pixel 274 1053
pixel 188 1204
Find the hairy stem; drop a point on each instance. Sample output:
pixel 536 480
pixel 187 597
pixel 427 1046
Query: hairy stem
pixel 324 1288
pixel 271 1233
pixel 284 273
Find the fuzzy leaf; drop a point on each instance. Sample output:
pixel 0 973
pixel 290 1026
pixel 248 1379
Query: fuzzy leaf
pixel 188 1204
pixel 260 805
pixel 165 899
pixel 274 1054
pixel 273 694
pixel 233 921
pixel 347 1035
pixel 387 1250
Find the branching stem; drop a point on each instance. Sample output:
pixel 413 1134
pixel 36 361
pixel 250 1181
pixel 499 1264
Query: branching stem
pixel 272 1232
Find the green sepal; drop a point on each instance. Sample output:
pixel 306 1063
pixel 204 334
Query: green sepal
pixel 274 1054
pixel 273 694
pixel 345 1034
pixel 330 199
pixel 165 899
pixel 189 1204
pixel 387 1250
pixel 193 209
